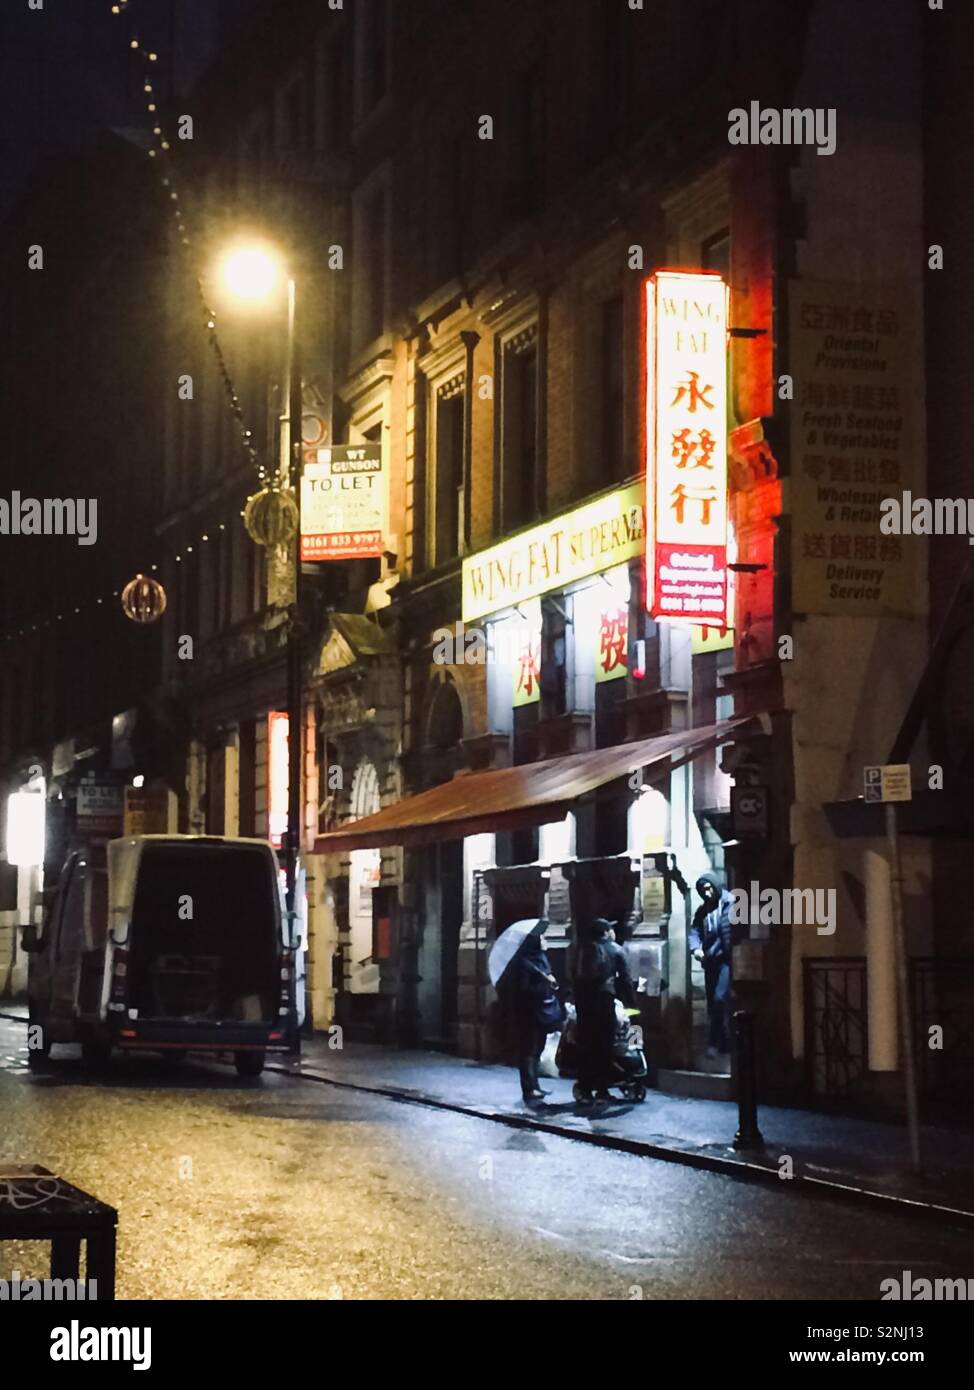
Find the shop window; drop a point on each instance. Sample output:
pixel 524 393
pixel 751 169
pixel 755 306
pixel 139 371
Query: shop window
pixel 554 656
pixel 215 789
pixel 247 777
pixel 520 491
pixel 329 808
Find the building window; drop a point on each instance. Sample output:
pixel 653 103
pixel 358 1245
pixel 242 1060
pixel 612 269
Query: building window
pixel 446 494
pixel 612 402
pixel 520 499
pixel 333 101
pixel 715 253
pixel 372 54
pixel 371 259
pixel 526 189
pixel 609 122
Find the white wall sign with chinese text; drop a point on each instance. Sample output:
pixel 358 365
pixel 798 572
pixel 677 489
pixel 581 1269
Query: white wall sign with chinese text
pixel 686 445
pixel 888 782
pixel 343 503
pixel 856 439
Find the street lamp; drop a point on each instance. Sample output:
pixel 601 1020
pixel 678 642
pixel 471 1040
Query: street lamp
pixel 252 273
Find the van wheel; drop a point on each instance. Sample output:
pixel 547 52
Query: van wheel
pixel 96 1054
pixel 248 1063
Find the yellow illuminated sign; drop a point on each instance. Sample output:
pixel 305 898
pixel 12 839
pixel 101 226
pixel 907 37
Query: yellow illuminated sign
pixel 555 554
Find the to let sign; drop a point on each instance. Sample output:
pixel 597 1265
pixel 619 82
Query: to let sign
pixel 343 503
pixel 686 442
pixel 888 782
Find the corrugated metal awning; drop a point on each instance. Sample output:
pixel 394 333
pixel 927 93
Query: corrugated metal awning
pixel 508 798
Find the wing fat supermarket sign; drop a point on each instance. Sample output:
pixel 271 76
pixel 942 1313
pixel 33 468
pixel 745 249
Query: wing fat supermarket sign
pixel 686 442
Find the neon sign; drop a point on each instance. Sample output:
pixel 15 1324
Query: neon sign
pixel 686 446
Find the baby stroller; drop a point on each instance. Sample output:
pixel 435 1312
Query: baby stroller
pixel 629 1070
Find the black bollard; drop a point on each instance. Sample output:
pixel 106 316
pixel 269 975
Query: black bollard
pixel 748 1135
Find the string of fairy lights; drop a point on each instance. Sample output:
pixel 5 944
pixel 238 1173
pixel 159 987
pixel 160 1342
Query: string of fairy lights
pixel 161 153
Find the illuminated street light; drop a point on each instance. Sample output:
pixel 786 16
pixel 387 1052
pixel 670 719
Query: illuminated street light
pixel 251 272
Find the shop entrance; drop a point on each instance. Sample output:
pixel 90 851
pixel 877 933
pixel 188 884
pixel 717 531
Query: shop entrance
pixel 440 942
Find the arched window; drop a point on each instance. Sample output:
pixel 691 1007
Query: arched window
pixel 444 722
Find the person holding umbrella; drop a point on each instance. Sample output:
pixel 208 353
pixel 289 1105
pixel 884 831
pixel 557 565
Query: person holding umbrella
pixel 519 968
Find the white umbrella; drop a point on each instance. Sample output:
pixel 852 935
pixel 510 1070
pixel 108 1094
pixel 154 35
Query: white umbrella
pixel 507 945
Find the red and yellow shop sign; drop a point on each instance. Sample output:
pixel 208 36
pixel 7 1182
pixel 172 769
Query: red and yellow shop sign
pixel 686 445
pixel 527 664
pixel 612 656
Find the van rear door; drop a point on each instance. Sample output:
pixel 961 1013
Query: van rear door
pixel 205 933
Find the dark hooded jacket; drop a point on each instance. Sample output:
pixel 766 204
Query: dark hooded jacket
pixel 712 930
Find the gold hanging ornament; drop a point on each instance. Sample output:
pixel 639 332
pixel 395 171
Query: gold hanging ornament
pixel 271 516
pixel 143 599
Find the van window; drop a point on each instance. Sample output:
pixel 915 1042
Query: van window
pixel 72 922
pixel 96 910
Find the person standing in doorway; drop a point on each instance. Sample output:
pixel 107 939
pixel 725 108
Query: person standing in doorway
pixel 711 940
pixel 600 975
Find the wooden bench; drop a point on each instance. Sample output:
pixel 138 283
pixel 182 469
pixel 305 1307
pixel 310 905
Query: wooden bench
pixel 37 1205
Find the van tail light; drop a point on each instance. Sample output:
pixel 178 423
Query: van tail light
pixel 120 973
pixel 285 985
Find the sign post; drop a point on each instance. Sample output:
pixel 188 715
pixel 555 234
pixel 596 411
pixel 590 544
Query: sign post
pixel 892 783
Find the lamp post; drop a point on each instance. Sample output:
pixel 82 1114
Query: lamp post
pixel 252 273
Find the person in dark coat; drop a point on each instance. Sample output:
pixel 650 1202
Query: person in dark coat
pixel 532 984
pixel 600 975
pixel 711 939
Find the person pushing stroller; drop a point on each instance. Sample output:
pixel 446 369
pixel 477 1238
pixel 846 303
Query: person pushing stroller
pixel 600 975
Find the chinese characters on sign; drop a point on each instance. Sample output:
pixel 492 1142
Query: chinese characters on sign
pixel 686 434
pixel 853 443
pixel 611 657
pixel 527 667
pixel 343 503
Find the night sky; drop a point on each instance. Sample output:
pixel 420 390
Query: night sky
pixel 66 71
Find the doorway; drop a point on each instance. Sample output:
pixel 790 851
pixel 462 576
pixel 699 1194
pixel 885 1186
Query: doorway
pixel 440 942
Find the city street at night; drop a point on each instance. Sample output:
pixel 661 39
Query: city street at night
pixel 486 684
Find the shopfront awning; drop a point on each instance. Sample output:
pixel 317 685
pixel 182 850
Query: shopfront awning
pixel 510 798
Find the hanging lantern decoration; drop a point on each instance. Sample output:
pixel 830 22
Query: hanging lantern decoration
pixel 143 599
pixel 271 516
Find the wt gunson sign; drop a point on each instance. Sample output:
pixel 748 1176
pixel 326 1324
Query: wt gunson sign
pixel 686 447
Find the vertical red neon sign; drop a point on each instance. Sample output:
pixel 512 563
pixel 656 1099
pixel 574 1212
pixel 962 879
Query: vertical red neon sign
pixel 278 777
pixel 686 447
